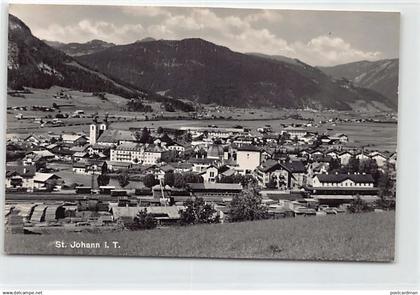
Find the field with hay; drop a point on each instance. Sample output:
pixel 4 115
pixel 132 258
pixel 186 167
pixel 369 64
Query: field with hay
pixel 352 237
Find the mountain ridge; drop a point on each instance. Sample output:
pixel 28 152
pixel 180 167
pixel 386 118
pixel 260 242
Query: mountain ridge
pixel 201 71
pixel 76 49
pixel 380 75
pixel 33 63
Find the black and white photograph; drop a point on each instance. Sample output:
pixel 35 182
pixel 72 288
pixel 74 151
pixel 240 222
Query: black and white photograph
pixel 196 132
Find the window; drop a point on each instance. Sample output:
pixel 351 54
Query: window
pixel 211 174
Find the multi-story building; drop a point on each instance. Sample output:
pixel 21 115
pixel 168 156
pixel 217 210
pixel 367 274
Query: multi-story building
pixel 284 175
pixel 248 157
pixel 137 153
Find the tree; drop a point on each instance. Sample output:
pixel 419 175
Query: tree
pixel 179 181
pixel 169 107
pixel 226 179
pixel 160 130
pixel 247 206
pixel 247 181
pixel 188 137
pixel 145 220
pixel 103 179
pixel 104 168
pixel 123 179
pixel 149 180
pixel 197 211
pixel 169 178
pixel 144 136
pixel 193 178
pixel 385 185
pixel 272 183
pixel 359 206
pixel 334 164
pixel 353 165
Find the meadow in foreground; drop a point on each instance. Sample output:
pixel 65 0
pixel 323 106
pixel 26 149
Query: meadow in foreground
pixel 355 237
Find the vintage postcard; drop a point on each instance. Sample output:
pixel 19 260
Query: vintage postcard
pixel 201 132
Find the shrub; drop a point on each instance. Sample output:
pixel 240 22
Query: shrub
pixel 247 206
pixel 359 206
pixel 144 220
pixel 197 211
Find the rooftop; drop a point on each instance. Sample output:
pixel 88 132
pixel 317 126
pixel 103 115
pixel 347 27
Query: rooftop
pixel 358 178
pixel 215 186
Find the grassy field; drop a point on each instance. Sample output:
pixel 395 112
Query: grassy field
pixel 358 237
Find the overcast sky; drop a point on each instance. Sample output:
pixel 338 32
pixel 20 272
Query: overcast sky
pixel 316 37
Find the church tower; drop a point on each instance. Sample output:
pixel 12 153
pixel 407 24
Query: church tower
pixel 96 129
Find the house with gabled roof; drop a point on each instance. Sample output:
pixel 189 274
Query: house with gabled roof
pixel 20 177
pixel 345 157
pixel 210 174
pixel 362 156
pixel 379 158
pixel 285 175
pixel 336 189
pixel 343 180
pixel 74 139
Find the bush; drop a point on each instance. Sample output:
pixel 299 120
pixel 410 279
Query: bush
pixel 197 211
pixel 123 179
pixel 359 206
pixel 144 220
pixel 247 206
pixel 149 180
pixel 103 180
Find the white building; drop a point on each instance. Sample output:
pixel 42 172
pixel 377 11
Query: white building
pixel 137 153
pixel 248 159
pixel 380 159
pixel 345 157
pixel 342 180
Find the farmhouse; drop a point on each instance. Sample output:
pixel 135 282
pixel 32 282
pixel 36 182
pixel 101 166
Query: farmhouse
pixel 20 177
pixel 74 139
pixel 42 181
